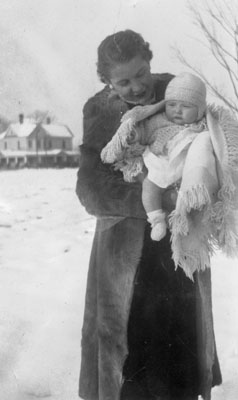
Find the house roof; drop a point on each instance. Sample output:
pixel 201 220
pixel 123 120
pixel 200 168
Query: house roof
pixel 55 130
pixel 2 135
pixel 25 129
pixel 21 130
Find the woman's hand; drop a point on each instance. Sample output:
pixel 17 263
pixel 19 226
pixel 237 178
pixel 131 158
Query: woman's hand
pixel 133 136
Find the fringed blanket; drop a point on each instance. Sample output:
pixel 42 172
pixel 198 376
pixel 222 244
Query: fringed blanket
pixel 206 215
pixel 127 157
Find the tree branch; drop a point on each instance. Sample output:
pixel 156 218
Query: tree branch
pixel 211 37
pixel 226 100
pixel 218 19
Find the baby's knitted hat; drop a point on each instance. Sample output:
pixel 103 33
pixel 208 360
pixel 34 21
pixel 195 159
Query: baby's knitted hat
pixel 190 88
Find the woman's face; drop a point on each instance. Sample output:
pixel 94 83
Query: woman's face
pixel 132 81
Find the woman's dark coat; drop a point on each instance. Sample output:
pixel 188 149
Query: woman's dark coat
pixel 136 302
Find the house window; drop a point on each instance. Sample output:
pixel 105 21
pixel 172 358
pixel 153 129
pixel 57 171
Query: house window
pixel 5 145
pixel 29 144
pixel 18 145
pixel 47 144
pixel 38 144
pixel 63 144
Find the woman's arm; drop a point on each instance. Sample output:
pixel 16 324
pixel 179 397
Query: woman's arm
pixel 101 190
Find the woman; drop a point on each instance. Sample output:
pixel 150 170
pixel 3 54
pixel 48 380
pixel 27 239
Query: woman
pixel 148 329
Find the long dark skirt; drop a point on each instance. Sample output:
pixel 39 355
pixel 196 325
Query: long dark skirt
pixel 163 330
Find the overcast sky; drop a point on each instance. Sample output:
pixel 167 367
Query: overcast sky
pixel 48 49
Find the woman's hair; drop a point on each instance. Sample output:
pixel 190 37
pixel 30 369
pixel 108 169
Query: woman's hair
pixel 119 48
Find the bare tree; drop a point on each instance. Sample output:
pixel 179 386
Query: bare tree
pixel 218 23
pixel 40 116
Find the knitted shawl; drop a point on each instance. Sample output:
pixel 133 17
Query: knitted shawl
pixel 206 214
pixel 128 157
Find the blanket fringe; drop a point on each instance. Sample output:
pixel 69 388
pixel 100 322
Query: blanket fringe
pixel 193 251
pixel 195 197
pixel 178 223
pixel 224 216
pixel 115 149
pixel 191 262
pixel 130 168
pixel 192 246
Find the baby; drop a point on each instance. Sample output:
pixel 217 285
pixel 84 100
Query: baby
pixel 163 139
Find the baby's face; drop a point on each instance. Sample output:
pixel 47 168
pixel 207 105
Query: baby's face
pixel 181 112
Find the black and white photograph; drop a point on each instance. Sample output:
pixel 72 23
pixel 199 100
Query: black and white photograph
pixel 118 200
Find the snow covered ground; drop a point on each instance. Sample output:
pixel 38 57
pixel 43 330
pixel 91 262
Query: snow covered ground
pixel 45 240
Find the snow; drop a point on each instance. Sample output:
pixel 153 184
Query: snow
pixel 45 243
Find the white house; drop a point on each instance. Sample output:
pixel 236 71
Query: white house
pixel 36 144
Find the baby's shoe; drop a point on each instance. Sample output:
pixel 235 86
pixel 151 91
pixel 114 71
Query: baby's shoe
pixel 158 231
pixel 158 224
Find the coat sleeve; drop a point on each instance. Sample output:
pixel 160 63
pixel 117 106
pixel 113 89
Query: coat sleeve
pixel 100 189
